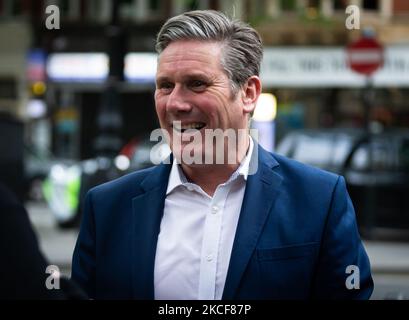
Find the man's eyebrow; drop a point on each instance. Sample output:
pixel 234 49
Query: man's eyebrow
pixel 188 77
pixel 162 79
pixel 195 76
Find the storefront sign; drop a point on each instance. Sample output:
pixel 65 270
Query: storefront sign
pixel 327 67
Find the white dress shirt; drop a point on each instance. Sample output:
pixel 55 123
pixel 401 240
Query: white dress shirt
pixel 196 236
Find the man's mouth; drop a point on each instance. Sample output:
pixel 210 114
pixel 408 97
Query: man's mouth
pixel 177 126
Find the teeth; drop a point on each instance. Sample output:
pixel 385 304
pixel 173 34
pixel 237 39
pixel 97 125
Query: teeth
pixel 196 125
pixel 193 125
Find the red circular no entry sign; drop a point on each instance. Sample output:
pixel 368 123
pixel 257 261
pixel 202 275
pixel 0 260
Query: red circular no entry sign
pixel 365 56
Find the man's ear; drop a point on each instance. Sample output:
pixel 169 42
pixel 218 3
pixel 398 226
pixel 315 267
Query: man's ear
pixel 251 92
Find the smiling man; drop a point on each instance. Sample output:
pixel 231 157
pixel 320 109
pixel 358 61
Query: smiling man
pixel 218 229
pixel 194 96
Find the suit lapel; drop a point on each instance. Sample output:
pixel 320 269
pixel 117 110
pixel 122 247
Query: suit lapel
pixel 147 214
pixel 261 192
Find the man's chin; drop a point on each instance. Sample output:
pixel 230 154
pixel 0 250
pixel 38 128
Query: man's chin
pixel 188 155
pixel 198 157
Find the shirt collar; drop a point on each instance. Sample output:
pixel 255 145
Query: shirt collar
pixel 243 169
pixel 178 178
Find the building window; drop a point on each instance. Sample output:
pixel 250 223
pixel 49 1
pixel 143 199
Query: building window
pixel 126 2
pixel 8 88
pixel 154 5
pixel 288 5
pixel 370 4
pixel 192 4
pixel 64 7
pixel 313 3
pixel 340 4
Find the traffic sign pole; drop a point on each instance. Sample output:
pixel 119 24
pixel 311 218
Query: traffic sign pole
pixel 365 56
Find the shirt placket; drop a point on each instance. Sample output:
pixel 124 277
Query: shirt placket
pixel 211 245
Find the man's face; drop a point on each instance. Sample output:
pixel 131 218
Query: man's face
pixel 191 87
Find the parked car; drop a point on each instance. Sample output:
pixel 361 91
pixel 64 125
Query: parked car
pixel 67 184
pixel 376 169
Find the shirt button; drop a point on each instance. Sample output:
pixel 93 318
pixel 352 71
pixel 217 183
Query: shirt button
pixel 209 257
pixel 215 209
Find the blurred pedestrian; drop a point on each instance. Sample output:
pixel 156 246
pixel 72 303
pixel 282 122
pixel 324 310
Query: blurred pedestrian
pixel 22 265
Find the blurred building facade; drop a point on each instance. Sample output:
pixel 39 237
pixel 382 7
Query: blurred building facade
pixel 62 111
pixel 310 28
pixel 63 114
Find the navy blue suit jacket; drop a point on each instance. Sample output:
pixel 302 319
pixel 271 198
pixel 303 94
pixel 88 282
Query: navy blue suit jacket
pixel 296 236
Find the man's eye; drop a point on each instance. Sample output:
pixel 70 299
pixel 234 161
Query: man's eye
pixel 165 86
pixel 197 85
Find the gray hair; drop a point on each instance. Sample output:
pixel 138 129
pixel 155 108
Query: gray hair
pixel 242 46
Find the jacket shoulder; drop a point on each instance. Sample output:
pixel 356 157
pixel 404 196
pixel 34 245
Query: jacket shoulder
pixel 305 174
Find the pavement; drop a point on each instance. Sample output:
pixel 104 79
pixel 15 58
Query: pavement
pixel 56 244
pixel 389 259
pixel 390 269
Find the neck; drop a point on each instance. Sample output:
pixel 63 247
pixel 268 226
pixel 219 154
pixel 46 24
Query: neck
pixel 208 177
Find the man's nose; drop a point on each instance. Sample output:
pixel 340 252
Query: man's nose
pixel 177 101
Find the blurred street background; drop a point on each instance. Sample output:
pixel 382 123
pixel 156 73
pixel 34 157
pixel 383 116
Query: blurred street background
pixel 76 106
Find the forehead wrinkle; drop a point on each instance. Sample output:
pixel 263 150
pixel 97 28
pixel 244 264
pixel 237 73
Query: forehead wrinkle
pixel 203 76
pixel 191 52
pixel 182 64
pixel 186 73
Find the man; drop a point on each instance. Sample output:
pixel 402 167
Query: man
pixel 23 266
pixel 259 226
